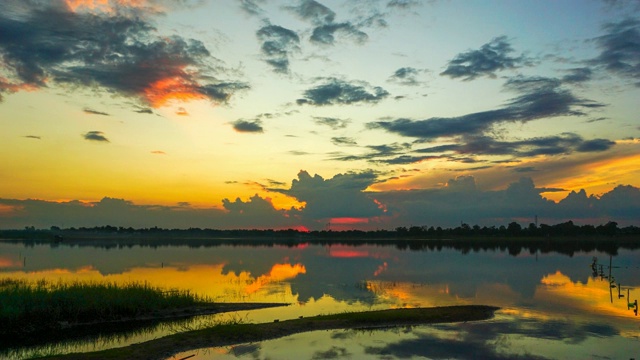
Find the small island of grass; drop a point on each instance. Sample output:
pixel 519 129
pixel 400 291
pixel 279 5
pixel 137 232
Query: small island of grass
pixel 235 333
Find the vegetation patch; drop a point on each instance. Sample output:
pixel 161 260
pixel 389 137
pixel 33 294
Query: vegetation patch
pixel 31 307
pixel 237 332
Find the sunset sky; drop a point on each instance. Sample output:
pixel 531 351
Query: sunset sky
pixel 366 114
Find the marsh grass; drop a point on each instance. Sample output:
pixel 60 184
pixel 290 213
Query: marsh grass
pixel 27 307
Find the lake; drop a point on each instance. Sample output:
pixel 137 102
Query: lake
pixel 553 305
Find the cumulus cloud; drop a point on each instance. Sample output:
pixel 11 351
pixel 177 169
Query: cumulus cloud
pixel 340 196
pixel 339 92
pixel 277 44
pixel 116 51
pixel 248 126
pixel 491 57
pixel 95 136
pixel 538 98
pixel 620 48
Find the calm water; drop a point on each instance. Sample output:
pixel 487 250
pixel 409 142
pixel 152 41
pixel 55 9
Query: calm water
pixel 553 305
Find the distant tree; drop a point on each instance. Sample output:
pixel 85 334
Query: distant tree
pixel 514 228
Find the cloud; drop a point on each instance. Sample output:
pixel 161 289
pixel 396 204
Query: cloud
pixel 578 75
pixel 403 4
pixel 538 98
pixel 248 126
pixel 339 92
pixel 325 34
pixel 524 169
pixel 314 12
pixel 549 145
pixel 116 51
pixel 277 44
pixel 326 29
pixel 182 111
pixel 344 141
pixel 95 136
pixel 32 137
pixel 251 7
pixel 94 112
pixel 406 76
pixel 490 58
pixel 620 48
pixel 158 152
pixel 333 123
pixel 343 196
pixel 258 213
pixel 144 111
pixel 340 196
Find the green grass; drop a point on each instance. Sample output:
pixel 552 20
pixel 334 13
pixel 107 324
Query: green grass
pixel 27 307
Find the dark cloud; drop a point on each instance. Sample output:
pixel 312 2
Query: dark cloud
pixel 340 196
pixel 325 34
pixel 403 4
pixel 524 169
pixel 277 44
pixel 620 49
pixel 248 126
pixel 325 28
pixel 492 57
pixel 344 141
pixel 115 51
pixel 538 98
pixel 595 145
pixel 314 12
pixel 338 92
pixel 406 76
pixel 578 75
pixel 32 137
pixel 258 213
pixel 377 153
pixel 158 152
pixel 94 112
pixel 144 111
pixel 95 136
pixel 334 123
pixel 251 7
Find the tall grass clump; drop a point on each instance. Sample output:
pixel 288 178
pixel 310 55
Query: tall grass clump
pixel 44 305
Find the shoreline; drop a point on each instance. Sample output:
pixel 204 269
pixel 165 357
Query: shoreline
pixel 234 333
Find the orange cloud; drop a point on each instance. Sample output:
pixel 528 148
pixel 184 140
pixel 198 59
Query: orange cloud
pixel 279 272
pixel 176 88
pixel 108 6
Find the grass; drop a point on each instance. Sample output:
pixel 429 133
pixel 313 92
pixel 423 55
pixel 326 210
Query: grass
pixel 235 332
pixel 27 307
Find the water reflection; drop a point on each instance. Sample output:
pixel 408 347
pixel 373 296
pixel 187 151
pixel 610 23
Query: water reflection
pixel 539 292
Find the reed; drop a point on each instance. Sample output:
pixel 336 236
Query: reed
pixel 30 306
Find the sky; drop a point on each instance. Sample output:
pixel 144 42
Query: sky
pixel 318 115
